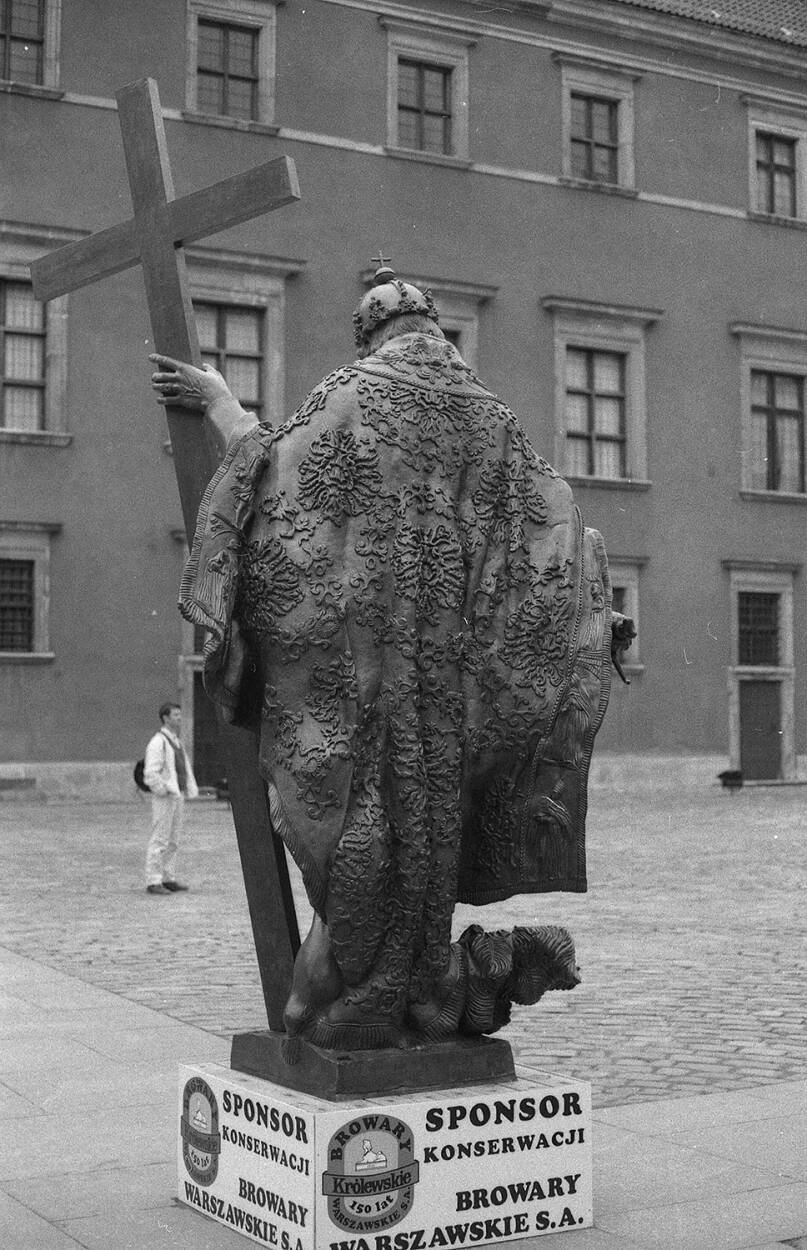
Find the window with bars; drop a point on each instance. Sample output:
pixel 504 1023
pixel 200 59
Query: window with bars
pixel 777 432
pixel 595 413
pixel 758 628
pixel 22 326
pixel 424 107
pixel 22 40
pixel 17 604
pixel 594 138
pixel 231 339
pixel 227 70
pixel 776 174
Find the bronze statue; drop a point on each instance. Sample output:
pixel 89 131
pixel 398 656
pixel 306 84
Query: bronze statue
pixel 403 603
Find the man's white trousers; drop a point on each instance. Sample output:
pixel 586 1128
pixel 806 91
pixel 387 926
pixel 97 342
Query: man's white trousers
pixel 167 814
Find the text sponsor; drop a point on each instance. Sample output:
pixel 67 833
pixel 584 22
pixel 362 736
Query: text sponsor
pixel 478 1147
pixel 264 1115
pixel 517 1192
pixel 470 1232
pixel 291 1159
pixel 502 1111
pixel 274 1203
pixel 230 1213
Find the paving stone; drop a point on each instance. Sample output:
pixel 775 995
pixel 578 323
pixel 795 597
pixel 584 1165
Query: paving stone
pixel 731 1222
pixel 23 1229
pixel 675 1115
pixel 14 1104
pixel 775 1143
pixel 132 1086
pixel 635 1172
pixel 166 1228
pixel 691 939
pixel 80 1194
pixel 76 1142
pixel 778 1245
pixel 784 1098
pixel 580 1239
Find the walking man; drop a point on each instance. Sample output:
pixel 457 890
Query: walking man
pixel 169 777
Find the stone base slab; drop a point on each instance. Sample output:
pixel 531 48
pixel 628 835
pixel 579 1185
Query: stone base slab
pixel 100 780
pixel 473 1166
pixel 338 1075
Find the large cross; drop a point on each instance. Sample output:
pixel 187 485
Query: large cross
pixel 154 239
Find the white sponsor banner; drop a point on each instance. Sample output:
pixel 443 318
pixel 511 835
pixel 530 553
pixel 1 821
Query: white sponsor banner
pixel 470 1166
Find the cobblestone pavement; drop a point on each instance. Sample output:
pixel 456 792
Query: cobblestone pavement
pixel 691 939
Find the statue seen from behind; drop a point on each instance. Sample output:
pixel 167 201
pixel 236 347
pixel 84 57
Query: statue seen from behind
pixel 402 602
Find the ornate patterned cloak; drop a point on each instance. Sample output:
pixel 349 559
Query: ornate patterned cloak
pixel 402 600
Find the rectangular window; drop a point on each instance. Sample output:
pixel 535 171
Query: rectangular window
pixel 227 70
pixel 597 120
pixel 777 432
pixel 776 174
pixel 230 339
pixel 594 138
pixel 428 75
pixel 595 413
pixel 600 389
pixel 762 709
pixel 22 326
pixel 758 628
pixel 22 40
pixel 424 107
pixel 17 604
pixel 25 591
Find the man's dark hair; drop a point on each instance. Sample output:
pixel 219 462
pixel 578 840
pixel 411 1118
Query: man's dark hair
pixel 166 709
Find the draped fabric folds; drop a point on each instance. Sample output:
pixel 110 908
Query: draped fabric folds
pixel 404 603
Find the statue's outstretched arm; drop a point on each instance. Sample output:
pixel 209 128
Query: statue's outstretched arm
pixel 623 631
pixel 227 420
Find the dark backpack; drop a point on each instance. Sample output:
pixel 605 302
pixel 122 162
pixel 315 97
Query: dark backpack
pixel 138 777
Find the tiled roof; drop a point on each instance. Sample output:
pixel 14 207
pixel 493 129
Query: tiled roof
pixel 782 20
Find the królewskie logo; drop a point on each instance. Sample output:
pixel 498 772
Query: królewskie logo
pixel 199 1126
pixel 372 1173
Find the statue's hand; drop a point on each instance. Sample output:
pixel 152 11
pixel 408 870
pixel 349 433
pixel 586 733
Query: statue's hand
pixel 623 631
pixel 186 386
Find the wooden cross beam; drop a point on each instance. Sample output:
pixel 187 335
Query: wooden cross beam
pixel 153 238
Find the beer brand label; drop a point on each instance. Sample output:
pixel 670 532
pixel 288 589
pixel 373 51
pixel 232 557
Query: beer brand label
pixel 371 1174
pixel 199 1129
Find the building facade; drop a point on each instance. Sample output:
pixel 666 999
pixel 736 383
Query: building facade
pixel 609 202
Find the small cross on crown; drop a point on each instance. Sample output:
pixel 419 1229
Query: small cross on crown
pixel 383 273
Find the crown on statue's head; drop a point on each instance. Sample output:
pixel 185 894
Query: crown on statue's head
pixel 389 297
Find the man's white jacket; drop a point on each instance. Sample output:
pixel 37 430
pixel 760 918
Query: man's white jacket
pixel 160 769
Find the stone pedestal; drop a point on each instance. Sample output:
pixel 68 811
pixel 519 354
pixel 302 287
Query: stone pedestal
pixel 467 1165
pixel 338 1075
